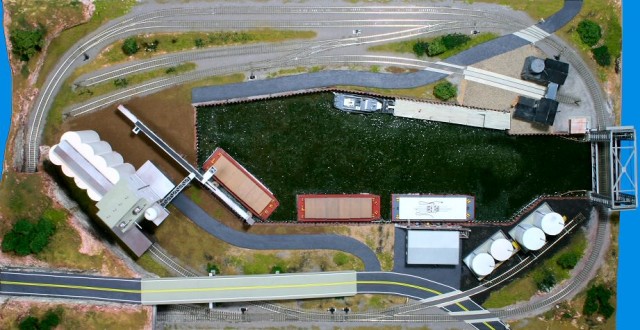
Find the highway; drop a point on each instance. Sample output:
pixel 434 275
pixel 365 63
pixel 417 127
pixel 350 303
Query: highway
pixel 447 19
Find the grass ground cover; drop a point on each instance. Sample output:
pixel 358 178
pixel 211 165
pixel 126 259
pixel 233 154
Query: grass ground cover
pixel 301 145
pixel 76 316
pixel 197 248
pixel 105 11
pixel 536 9
pixel 176 42
pixel 524 288
pixel 407 45
pixel 85 93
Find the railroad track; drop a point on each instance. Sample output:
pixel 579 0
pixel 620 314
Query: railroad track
pixel 156 21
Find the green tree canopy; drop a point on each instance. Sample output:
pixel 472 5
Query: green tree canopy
pixel 445 90
pixel 130 46
pixel 436 47
pixel 25 43
pixel 589 32
pixel 454 40
pixel 602 56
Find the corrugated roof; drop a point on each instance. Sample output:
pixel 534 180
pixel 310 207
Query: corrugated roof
pixel 433 247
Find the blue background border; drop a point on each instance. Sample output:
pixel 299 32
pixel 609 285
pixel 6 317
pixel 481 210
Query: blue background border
pixel 628 289
pixel 5 93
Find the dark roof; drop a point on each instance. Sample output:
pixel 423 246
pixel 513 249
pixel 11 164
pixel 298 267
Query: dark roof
pixel 556 71
pixel 534 111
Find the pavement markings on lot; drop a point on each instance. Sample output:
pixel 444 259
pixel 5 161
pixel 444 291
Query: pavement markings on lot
pixel 532 34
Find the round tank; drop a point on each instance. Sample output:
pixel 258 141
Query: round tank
pixel 88 150
pixel 550 223
pixel 77 137
pixel 110 159
pixel 537 65
pixel 151 213
pixel 530 237
pixel 113 174
pixel 501 249
pixel 482 264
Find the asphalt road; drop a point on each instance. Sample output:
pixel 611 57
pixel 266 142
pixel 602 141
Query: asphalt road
pixel 400 284
pixel 70 286
pixel 276 242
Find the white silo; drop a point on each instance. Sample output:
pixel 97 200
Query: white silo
pixel 501 249
pixel 482 264
pixel 94 148
pixel 550 223
pixel 77 137
pixel 110 159
pixel 530 237
pixel 113 174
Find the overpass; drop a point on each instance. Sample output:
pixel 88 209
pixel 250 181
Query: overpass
pixel 166 291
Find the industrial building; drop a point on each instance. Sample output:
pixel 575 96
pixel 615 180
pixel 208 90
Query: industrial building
pixel 433 247
pixel 124 196
pixel 548 72
pixel 490 254
pixel 241 184
pixel 531 233
pixel 416 207
pixel 357 207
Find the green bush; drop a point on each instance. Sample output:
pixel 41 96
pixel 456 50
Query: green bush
pixel 568 260
pixel 29 323
pixel 436 47
pixel 589 32
pixel 420 48
pixel 454 40
pixel 25 43
pixel 276 270
pixel 602 56
pixel 340 258
pixel 199 43
pixel 26 238
pixel 545 280
pixel 598 301
pixel 130 46
pixel 211 268
pixel 445 90
pixel 121 82
pixel 50 320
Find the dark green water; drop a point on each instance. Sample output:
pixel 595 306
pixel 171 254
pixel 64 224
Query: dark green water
pixel 302 145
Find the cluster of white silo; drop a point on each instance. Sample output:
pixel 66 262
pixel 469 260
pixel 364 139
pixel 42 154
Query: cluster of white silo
pixel 501 249
pixel 534 236
pixel 490 254
pixel 99 154
pixel 482 263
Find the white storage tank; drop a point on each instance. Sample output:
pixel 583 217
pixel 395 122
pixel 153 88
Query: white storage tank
pixel 550 223
pixel 75 138
pixel 501 249
pixel 113 174
pixel 530 237
pixel 482 264
pixel 94 148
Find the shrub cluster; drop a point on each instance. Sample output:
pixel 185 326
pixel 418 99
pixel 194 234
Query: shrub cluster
pixel 445 90
pixel 440 45
pixel 26 42
pixel 26 238
pixel 590 33
pixel 598 301
pixel 130 46
pixel 50 320
pixel 568 260
pixel 545 280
